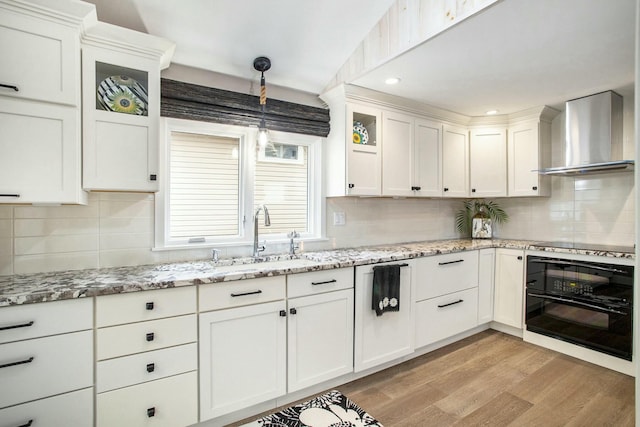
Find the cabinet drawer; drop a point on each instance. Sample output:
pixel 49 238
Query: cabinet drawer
pixel 27 321
pixel 123 340
pixel 445 274
pixel 317 282
pixel 445 316
pixel 50 365
pixel 217 296
pixel 70 409
pixel 148 305
pixel 139 368
pixel 169 402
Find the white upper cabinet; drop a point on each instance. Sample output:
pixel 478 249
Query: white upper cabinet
pixel 41 58
pixel 397 154
pixel 427 158
pixel 364 175
pixel 121 108
pixel 40 103
pixel 529 149
pixel 455 162
pixel 488 162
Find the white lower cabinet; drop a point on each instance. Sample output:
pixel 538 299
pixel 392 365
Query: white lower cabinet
pixel 509 287
pixel 242 357
pixel 37 368
pixel 69 409
pixel 167 402
pixel 380 339
pixel 147 359
pixel 320 327
pixel 486 279
pixel 442 317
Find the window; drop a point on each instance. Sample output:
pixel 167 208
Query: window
pixel 216 178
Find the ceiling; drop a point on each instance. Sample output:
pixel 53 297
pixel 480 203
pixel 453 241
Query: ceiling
pixel 518 54
pixel 513 55
pixel 307 41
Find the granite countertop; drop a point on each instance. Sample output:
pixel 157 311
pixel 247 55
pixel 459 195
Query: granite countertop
pixel 42 287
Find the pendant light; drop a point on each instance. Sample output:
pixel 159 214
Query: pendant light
pixel 262 64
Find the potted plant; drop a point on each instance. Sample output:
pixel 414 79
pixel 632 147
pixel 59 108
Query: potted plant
pixel 477 216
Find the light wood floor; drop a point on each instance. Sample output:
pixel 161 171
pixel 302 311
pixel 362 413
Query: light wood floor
pixel 493 379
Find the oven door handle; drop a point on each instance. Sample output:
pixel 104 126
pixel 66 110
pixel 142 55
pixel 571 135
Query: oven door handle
pixel 571 301
pixel 577 264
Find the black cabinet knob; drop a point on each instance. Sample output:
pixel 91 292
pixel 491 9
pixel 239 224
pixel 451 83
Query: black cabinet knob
pixel 151 367
pixel 293 311
pixel 473 190
pixel 150 336
pixel 534 188
pixel 151 412
pixel 446 189
pixel 283 313
pixel 153 177
pixel 149 306
pixel 416 188
pixel 519 258
pixel 351 185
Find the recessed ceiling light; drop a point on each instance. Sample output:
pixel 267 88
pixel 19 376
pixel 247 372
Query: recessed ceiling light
pixel 392 80
pixel 491 112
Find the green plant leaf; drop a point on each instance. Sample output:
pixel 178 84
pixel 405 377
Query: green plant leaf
pixel 470 207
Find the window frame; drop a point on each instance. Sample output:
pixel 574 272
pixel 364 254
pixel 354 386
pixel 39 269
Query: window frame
pixel 248 155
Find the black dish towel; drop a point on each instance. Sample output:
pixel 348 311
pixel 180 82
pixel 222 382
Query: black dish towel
pixel 386 289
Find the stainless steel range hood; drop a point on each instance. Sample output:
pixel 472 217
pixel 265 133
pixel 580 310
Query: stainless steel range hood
pixel 593 137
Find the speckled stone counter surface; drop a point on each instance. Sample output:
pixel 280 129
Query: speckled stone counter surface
pixel 42 287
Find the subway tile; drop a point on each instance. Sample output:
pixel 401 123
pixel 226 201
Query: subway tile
pixel 109 241
pixel 126 257
pixel 55 226
pixel 71 211
pixel 6 265
pixel 6 247
pixel 6 228
pixel 25 264
pixel 126 225
pixel 55 244
pixel 116 196
pixel 6 212
pixel 126 209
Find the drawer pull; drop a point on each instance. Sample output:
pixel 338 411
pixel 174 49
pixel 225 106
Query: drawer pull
pixel 150 336
pixel 21 325
pixel 451 303
pixel 451 262
pixel 151 412
pixel 9 195
pixel 15 88
pixel 151 367
pixel 28 424
pixel 247 293
pixel 21 362
pixel 149 306
pixel 324 283
pixel 390 265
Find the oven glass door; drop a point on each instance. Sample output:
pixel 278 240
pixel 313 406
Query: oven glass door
pixel 602 329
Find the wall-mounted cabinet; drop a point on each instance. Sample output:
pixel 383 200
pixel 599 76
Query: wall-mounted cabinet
pixel 121 108
pixel 427 158
pixel 488 162
pixel 397 154
pixel 40 103
pixel 455 161
pixel 529 149
pixel 363 168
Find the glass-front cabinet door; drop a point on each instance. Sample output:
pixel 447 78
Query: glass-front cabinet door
pixel 363 150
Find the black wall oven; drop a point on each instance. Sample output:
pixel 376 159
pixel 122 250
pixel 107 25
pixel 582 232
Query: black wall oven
pixel 584 303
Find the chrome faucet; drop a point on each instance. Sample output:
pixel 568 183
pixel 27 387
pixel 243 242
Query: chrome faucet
pixel 267 222
pixel 292 244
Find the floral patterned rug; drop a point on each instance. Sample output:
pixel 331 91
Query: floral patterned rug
pixel 332 409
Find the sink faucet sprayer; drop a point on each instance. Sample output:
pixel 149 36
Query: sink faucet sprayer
pixel 267 222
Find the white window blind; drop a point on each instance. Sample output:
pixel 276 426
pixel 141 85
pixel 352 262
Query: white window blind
pixel 283 185
pixel 204 190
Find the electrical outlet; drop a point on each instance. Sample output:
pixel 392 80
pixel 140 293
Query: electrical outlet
pixel 339 218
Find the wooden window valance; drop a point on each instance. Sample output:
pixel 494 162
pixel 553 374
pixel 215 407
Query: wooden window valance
pixel 193 102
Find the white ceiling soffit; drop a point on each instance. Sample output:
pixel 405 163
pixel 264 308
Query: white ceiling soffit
pixel 307 41
pixel 517 54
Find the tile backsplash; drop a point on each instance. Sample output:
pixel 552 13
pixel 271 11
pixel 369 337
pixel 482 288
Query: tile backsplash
pixel 116 229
